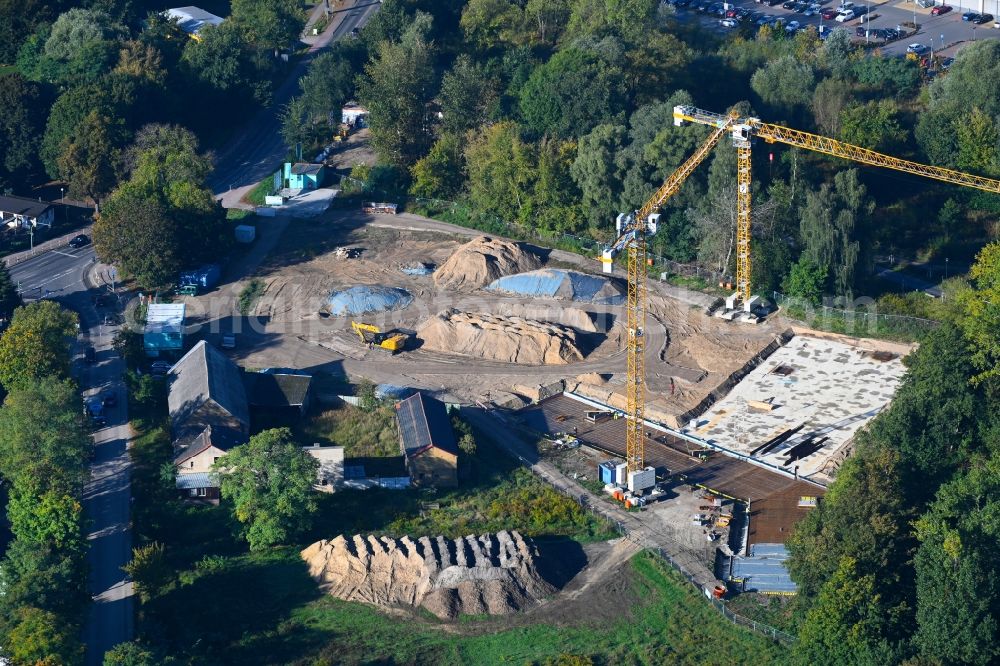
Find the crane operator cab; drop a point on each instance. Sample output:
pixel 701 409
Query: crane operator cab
pixel 627 232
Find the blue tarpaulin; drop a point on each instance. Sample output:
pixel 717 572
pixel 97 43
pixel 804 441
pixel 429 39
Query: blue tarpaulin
pixel 763 570
pixel 362 299
pixel 563 284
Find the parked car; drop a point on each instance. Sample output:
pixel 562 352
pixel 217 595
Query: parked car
pixel 812 10
pixel 845 16
pixel 742 12
pixel 160 367
pixel 968 16
pixel 79 241
pixel 917 48
pixel 764 19
pixel 940 9
pixel 93 407
pixel 90 355
pixel 788 4
pixel 727 22
pixel 801 7
pixel 983 18
pixel 829 14
pixel 792 26
pixel 109 399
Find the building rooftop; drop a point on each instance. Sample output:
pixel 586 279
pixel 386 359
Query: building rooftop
pixel 423 424
pixel 306 169
pixel 266 389
pixel 23 206
pixel 192 19
pixel 197 480
pixel 763 570
pixel 205 374
pixel 829 389
pixel 218 436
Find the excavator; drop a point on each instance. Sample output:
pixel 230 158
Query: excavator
pixel 391 341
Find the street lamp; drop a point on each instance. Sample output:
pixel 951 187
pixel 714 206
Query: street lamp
pixel 62 201
pixel 946 268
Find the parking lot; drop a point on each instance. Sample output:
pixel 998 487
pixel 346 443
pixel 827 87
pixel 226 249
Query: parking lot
pixel 943 34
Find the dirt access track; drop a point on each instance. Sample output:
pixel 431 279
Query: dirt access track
pixel 688 352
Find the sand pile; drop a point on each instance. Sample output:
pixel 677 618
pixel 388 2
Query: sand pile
pixel 483 260
pixel 492 574
pixel 500 338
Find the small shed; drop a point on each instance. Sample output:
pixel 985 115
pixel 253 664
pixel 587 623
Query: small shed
pixel 427 441
pixel 164 331
pixel 275 390
pixel 330 473
pixel 353 115
pixel 304 175
pixel 20 212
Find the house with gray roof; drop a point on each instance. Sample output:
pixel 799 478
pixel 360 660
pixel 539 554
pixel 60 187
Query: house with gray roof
pixel 21 212
pixel 206 389
pixel 427 441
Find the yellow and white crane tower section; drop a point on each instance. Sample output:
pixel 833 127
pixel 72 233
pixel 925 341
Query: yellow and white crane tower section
pixel 745 130
pixel 633 229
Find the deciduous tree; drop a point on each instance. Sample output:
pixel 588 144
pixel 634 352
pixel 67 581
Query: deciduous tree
pixel 88 161
pixel 396 88
pixel 36 344
pixel 981 306
pixel 269 482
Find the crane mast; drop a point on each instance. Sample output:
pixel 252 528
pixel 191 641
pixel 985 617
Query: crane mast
pixel 744 130
pixel 633 230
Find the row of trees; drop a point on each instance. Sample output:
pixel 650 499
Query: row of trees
pixel 44 447
pixel 558 118
pixel 87 78
pixel 897 561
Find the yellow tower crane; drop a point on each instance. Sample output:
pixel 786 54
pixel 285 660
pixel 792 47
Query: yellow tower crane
pixel 744 130
pixel 633 229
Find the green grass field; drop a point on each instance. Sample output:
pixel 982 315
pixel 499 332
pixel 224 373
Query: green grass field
pixel 361 433
pixel 265 609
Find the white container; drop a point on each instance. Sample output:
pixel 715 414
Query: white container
pixel 642 480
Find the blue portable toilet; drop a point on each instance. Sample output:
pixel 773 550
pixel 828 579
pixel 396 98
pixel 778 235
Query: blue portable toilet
pixel 606 470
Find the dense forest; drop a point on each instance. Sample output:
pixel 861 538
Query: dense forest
pixel 557 115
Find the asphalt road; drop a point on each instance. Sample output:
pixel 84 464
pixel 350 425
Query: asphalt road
pixel 61 275
pixel 253 155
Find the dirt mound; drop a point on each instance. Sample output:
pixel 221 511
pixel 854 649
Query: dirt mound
pixel 500 338
pixel 483 260
pixel 493 574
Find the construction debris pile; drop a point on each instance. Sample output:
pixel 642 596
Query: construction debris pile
pixel 367 298
pixel 510 339
pixel 492 574
pixel 483 260
pixel 560 284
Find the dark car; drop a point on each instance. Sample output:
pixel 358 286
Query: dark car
pixel 788 4
pixel 983 18
pixel 801 7
pixel 940 9
pixel 829 14
pixel 732 13
pixel 968 16
pixel 90 355
pixel 79 241
pixel 109 399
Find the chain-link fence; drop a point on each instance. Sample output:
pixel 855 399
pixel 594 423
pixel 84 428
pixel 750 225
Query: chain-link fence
pixel 863 321
pixel 718 604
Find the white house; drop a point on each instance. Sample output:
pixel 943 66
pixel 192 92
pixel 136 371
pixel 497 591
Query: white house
pixel 22 212
pixel 330 474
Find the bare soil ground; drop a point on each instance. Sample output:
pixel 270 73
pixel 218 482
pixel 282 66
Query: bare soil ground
pixel 687 351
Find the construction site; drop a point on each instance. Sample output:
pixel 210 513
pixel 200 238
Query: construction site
pixel 720 422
